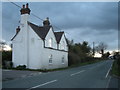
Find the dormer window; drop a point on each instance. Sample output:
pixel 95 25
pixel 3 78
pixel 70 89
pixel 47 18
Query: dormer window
pixel 50 42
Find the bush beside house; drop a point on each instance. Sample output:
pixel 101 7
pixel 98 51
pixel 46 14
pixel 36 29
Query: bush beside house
pixel 7 59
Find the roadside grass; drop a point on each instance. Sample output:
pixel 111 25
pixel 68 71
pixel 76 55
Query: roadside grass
pixel 50 70
pixel 0 65
pixel 115 69
pixel 85 63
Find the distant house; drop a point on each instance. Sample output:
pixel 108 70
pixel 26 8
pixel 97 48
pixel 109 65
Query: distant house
pixel 38 47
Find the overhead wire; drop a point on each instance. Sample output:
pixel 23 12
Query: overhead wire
pixel 35 15
pixel 57 28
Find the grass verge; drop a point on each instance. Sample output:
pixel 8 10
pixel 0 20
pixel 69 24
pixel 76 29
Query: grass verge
pixel 115 69
pixel 86 63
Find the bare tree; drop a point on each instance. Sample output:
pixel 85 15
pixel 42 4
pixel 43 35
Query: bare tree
pixel 101 48
pixel 2 45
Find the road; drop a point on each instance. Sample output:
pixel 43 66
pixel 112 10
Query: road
pixel 90 76
pixel 16 74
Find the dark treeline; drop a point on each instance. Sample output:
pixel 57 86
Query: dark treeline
pixel 79 52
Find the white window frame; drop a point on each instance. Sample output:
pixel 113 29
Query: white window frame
pixel 63 59
pixel 50 59
pixel 50 42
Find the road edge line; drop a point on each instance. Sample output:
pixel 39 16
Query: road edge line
pixel 109 71
pixel 107 86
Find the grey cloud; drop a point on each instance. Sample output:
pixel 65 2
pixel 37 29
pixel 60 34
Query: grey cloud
pixel 82 21
pixel 83 34
pixel 76 15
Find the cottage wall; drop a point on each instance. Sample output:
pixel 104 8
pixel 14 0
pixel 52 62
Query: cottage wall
pixel 56 59
pixel 30 50
pixel 35 50
pixel 39 55
pixel 20 43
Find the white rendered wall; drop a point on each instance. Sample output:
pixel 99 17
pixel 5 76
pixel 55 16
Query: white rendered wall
pixel 28 49
pixel 19 52
pixel 39 56
pixel 56 59
pixel 35 50
pixel 20 43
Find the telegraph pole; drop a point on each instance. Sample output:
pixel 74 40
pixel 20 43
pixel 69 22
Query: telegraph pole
pixel 93 49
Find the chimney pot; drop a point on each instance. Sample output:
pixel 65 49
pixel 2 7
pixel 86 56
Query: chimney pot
pixel 27 5
pixel 23 6
pixel 47 18
pixel 25 10
pixel 46 22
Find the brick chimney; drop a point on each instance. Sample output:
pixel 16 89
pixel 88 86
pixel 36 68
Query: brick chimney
pixel 17 29
pixel 46 22
pixel 25 13
pixel 25 10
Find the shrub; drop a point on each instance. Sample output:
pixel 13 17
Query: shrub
pixel 7 56
pixel 21 67
pixel 7 64
pixel 7 59
pixel 73 59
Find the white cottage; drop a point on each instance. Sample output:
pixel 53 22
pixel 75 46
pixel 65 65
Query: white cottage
pixel 38 47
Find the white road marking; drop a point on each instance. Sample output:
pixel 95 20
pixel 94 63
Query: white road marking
pixel 107 86
pixel 42 84
pixel 77 72
pixel 108 71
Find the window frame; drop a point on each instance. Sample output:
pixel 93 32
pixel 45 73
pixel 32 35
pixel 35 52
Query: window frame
pixel 63 59
pixel 50 42
pixel 50 59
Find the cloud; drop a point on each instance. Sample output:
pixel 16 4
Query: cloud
pixel 86 34
pixel 98 16
pixel 89 21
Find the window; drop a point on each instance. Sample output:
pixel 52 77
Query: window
pixel 63 60
pixel 50 42
pixel 50 59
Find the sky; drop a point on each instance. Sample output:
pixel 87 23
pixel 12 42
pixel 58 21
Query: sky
pixel 81 21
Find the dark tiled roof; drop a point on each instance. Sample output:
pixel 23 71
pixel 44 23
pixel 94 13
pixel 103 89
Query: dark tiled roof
pixel 58 36
pixel 40 31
